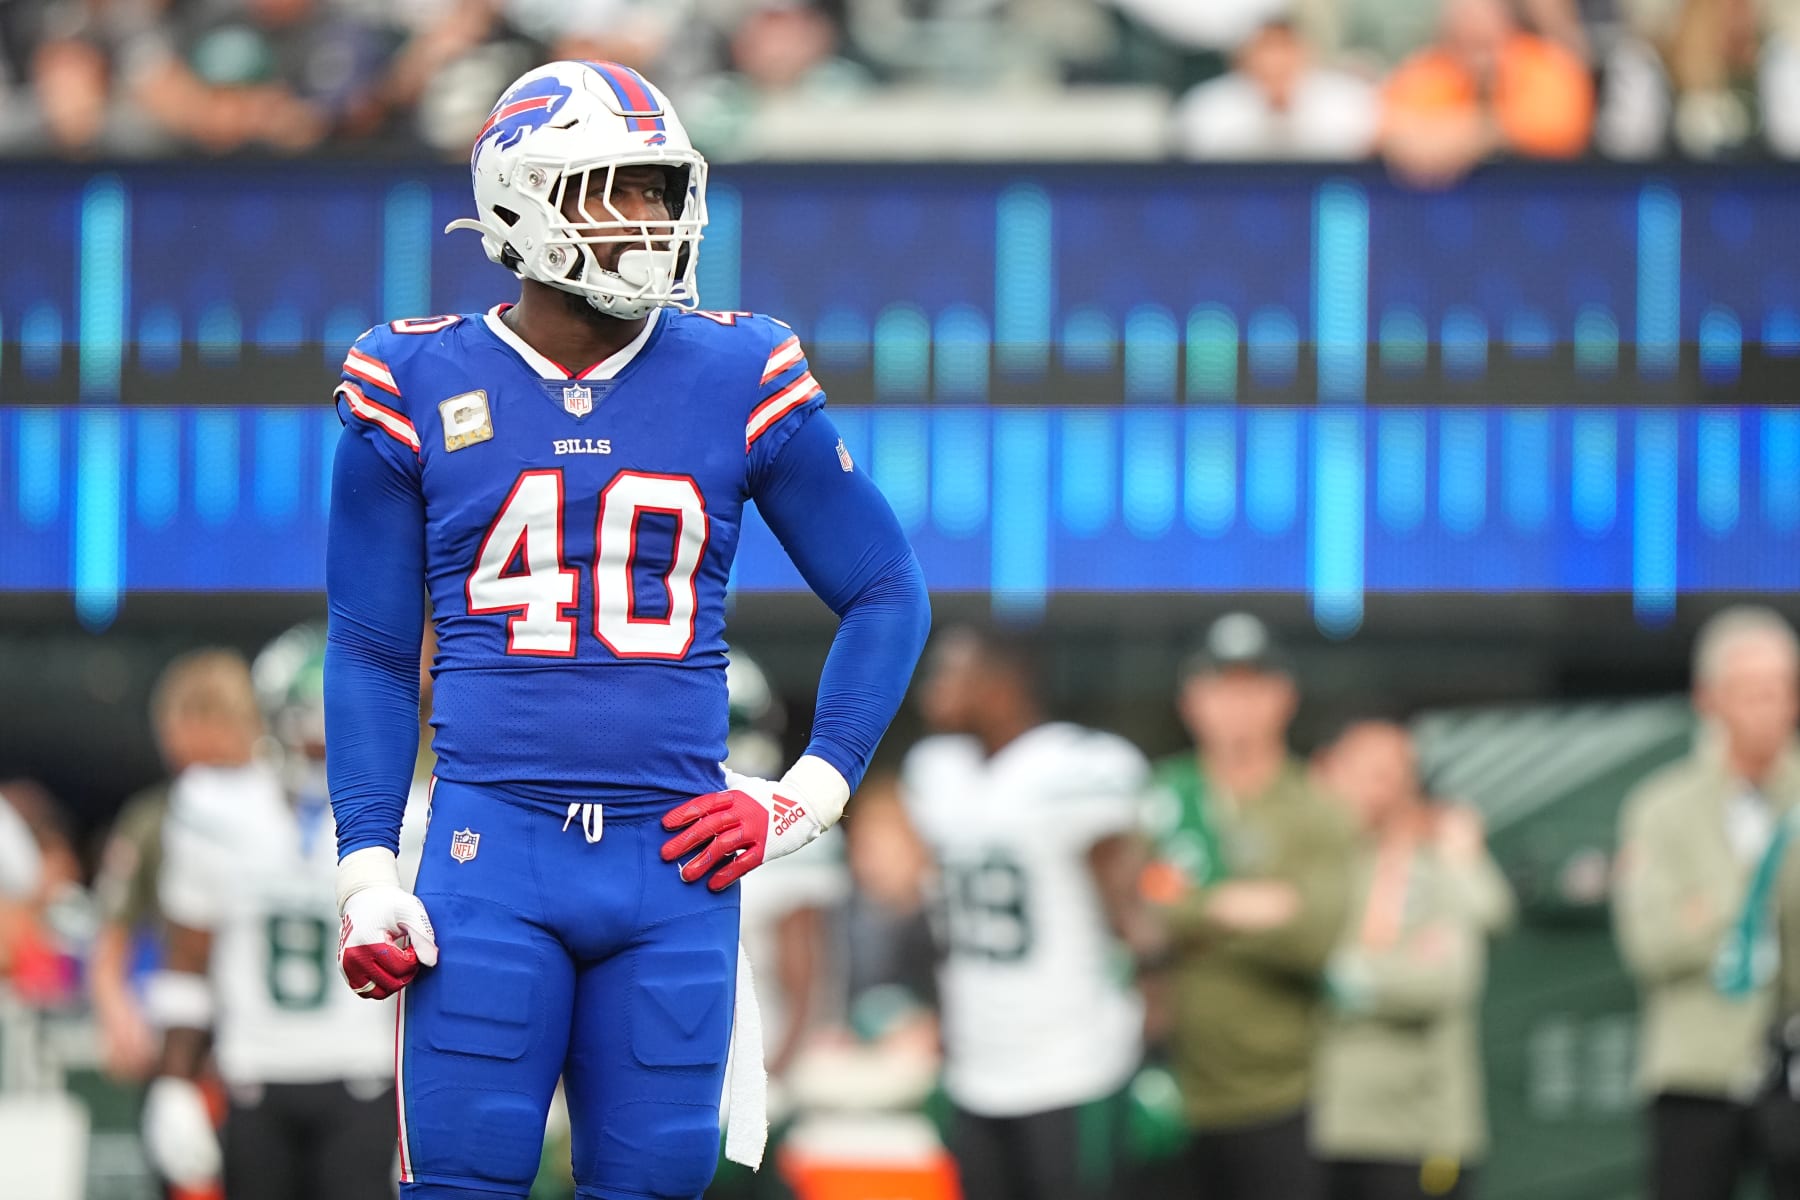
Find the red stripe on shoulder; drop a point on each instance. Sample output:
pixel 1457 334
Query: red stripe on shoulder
pixel 782 358
pixel 769 413
pixel 382 417
pixel 370 370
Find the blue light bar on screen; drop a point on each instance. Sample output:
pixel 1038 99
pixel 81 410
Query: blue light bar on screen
pixel 1025 503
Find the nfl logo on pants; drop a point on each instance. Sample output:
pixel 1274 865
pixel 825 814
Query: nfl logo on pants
pixel 578 400
pixel 463 844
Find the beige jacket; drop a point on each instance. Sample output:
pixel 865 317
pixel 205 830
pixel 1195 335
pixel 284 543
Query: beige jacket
pixel 1398 1075
pixel 1678 889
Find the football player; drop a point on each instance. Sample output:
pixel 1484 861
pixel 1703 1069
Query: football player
pixel 246 891
pixel 1032 824
pixel 568 476
pixel 203 710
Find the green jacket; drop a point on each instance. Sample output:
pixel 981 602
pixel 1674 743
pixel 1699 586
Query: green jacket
pixel 125 886
pixel 1399 1066
pixel 1247 1005
pixel 1678 892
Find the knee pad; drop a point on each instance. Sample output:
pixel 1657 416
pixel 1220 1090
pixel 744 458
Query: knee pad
pixel 461 1134
pixel 658 1150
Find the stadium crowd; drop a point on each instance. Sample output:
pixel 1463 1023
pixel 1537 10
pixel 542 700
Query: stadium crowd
pixel 1431 86
pixel 1309 933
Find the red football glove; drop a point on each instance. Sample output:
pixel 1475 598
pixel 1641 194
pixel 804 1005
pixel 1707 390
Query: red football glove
pixel 385 934
pixel 737 830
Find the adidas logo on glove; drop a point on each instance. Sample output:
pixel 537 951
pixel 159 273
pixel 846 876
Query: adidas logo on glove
pixel 787 814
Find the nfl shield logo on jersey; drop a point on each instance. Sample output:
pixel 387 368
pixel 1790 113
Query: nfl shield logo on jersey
pixel 578 400
pixel 463 844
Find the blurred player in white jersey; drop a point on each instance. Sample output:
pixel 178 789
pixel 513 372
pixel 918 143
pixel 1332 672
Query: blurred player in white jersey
pixel 247 888
pixel 1033 826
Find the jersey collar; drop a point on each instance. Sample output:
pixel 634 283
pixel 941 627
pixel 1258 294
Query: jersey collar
pixel 546 368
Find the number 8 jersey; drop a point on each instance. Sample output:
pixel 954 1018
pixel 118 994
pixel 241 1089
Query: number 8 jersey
pixel 1037 1010
pixel 254 869
pixel 590 519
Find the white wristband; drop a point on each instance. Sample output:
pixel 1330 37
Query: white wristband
pixel 818 785
pixel 178 1000
pixel 372 866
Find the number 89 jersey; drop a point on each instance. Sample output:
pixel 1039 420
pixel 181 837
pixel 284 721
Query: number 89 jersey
pixel 579 533
pixel 1037 1012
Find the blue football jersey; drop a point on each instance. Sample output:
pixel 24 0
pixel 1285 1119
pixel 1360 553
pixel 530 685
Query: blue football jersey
pixel 579 533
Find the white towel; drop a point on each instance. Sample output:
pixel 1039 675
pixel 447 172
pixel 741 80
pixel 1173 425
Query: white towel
pixel 747 1085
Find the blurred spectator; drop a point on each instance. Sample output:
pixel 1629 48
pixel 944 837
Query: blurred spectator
pixel 1398 1111
pixel 72 78
pixel 1690 838
pixel 781 50
pixel 1196 40
pixel 1032 824
pixel 203 712
pixel 1712 82
pixel 21 884
pixel 1279 103
pixel 49 826
pixel 1486 87
pixel 1378 35
pixel 981 44
pixel 637 33
pixel 21 866
pixel 889 961
pixel 225 75
pixel 18 38
pixel 1253 880
pixel 45 932
pixel 446 68
pixel 782 43
pixel 66 51
pixel 1373 36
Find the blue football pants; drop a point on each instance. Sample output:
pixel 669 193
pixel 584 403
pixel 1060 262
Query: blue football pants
pixel 560 957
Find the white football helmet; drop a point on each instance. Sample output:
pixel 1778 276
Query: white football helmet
pixel 289 676
pixel 549 132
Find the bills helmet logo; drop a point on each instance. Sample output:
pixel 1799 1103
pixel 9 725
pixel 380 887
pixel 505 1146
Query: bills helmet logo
pixel 520 111
pixel 657 139
pixel 578 400
pixel 463 845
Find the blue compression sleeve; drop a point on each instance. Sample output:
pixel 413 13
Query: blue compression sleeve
pixel 840 532
pixel 375 588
